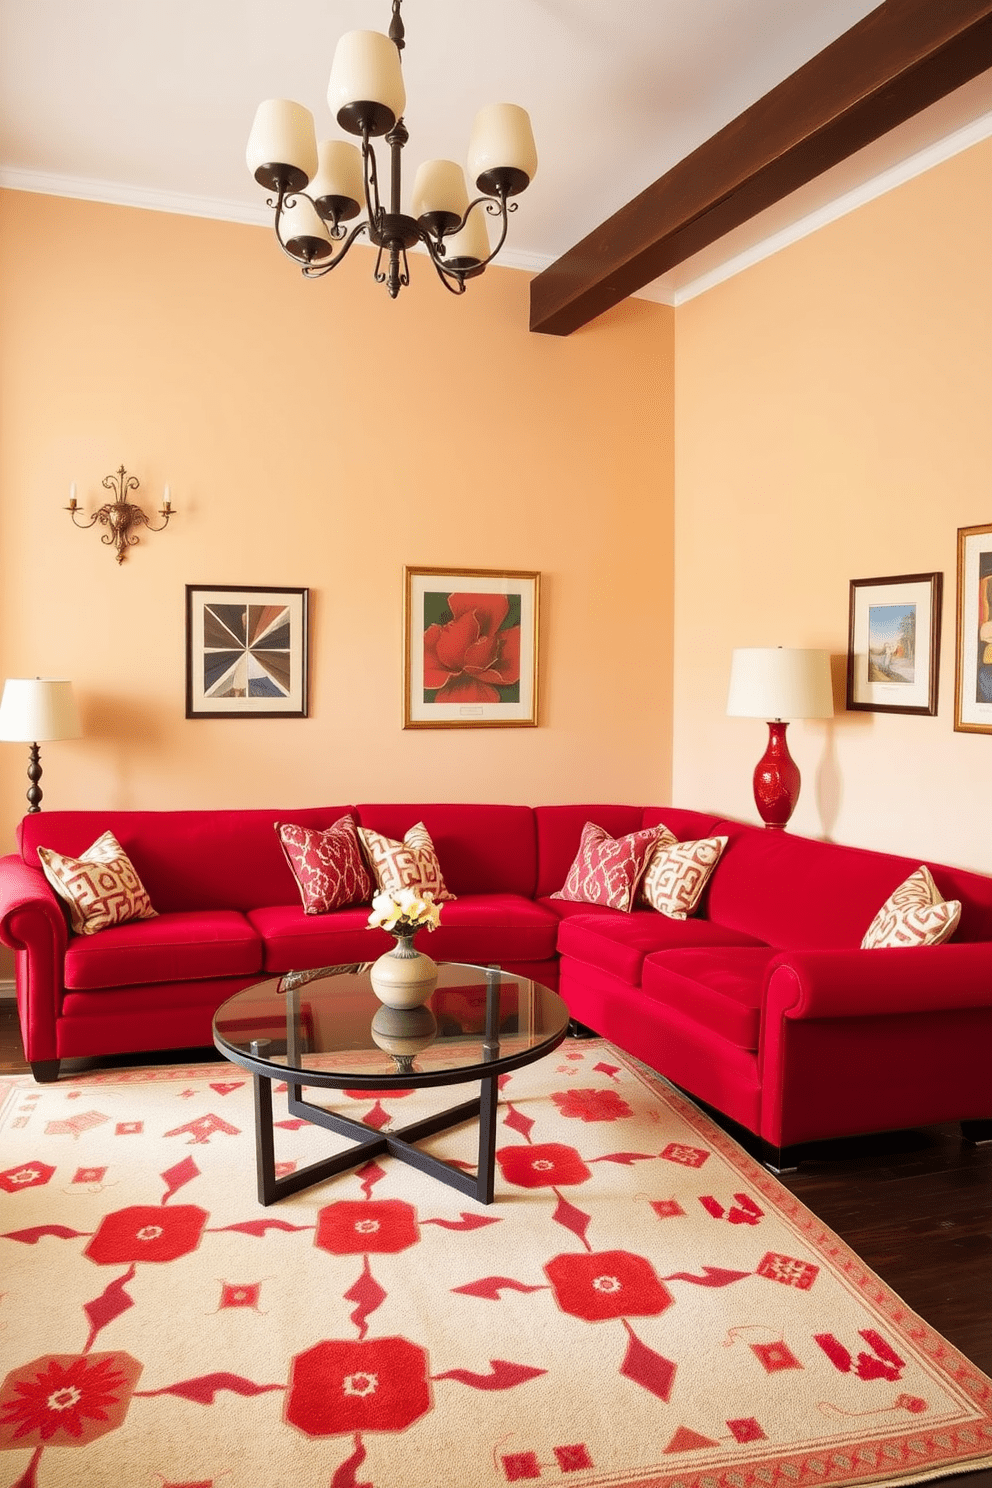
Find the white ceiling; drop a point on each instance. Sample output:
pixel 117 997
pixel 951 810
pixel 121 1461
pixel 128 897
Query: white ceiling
pixel 150 101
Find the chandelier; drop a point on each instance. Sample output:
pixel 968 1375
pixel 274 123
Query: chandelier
pixel 318 188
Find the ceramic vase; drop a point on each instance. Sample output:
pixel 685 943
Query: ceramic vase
pixel 404 977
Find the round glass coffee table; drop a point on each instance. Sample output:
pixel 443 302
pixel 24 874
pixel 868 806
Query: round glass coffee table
pixel 327 1029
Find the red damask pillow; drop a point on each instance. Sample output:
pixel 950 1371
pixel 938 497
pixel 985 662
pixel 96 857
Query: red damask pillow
pixel 608 870
pixel 328 866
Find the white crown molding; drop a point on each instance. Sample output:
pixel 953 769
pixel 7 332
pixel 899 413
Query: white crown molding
pixel 150 199
pixel 673 289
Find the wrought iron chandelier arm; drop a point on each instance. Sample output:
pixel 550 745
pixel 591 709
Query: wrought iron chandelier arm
pixel 317 271
pixel 495 206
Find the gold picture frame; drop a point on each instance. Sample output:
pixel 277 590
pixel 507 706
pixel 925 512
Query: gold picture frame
pixel 470 645
pixel 973 650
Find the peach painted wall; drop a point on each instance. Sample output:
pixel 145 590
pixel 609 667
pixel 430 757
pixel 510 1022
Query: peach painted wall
pixel 833 422
pixel 321 435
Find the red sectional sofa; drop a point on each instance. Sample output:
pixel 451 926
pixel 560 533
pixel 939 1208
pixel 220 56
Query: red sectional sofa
pixel 762 1005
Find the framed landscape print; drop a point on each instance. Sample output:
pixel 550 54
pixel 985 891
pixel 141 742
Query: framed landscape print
pixel 973 669
pixel 893 647
pixel 246 651
pixel 470 648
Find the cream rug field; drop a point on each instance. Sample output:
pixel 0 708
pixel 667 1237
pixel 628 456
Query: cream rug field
pixel 642 1305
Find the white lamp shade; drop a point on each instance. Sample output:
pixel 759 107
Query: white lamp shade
pixel 366 69
pixel 502 137
pixel 439 186
pixel 471 243
pixel 780 682
pixel 34 709
pixel 339 172
pixel 283 134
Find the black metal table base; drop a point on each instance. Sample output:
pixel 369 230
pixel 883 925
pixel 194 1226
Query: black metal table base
pixel 398 1144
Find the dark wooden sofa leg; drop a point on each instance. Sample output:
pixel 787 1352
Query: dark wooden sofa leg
pixel 579 1030
pixel 46 1071
pixel 779 1159
pixel 977 1131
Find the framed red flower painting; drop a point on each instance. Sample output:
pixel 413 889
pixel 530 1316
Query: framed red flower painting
pixel 470 642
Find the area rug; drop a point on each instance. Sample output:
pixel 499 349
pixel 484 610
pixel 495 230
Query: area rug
pixel 643 1306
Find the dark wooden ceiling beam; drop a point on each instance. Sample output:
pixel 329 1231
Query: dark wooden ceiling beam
pixel 897 61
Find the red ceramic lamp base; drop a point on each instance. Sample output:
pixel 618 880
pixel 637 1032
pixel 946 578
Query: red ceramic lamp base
pixel 776 779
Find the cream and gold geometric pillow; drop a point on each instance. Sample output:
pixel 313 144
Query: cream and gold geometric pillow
pixel 677 873
pixel 914 914
pixel 410 864
pixel 101 888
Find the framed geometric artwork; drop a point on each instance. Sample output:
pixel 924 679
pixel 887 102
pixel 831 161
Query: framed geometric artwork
pixel 470 648
pixel 893 646
pixel 246 651
pixel 973 669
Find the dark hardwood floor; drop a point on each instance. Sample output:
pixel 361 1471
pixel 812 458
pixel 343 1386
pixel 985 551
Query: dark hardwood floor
pixel 916 1206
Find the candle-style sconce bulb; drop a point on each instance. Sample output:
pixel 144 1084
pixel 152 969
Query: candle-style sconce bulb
pixel 120 515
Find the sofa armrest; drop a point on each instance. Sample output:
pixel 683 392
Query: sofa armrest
pixel 868 984
pixel 33 924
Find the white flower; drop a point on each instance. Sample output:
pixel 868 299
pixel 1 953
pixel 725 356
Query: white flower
pixel 406 910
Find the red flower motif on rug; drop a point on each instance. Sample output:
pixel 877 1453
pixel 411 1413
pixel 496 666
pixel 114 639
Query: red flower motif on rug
pixel 544 1165
pixel 28 1175
pixel 147 1232
pixel 339 1387
pixel 591 1105
pixel 607 1284
pixel 66 1399
pixel 354 1227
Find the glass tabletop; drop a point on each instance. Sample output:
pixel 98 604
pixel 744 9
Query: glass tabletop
pixel 329 1026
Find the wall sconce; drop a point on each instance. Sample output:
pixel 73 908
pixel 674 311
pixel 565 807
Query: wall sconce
pixel 120 515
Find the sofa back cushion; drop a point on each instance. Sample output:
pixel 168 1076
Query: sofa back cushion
pixel 796 893
pixel 559 832
pixel 481 849
pixel 187 860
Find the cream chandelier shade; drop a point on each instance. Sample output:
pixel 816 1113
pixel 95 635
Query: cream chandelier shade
pixel 317 187
pixel 780 682
pixel 34 710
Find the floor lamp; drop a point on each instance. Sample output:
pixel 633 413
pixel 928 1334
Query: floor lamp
pixel 34 710
pixel 778 683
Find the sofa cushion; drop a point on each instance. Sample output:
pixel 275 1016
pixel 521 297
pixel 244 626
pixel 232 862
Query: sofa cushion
pixel 101 886
pixel 180 947
pixel 608 870
pixel 677 874
pixel 188 860
pixel 476 928
pixel 619 943
pixel 915 914
pixel 328 866
pixel 719 987
pixel 483 849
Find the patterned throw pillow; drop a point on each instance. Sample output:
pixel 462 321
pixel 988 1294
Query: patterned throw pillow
pixel 101 888
pixel 608 870
pixel 328 866
pixel 410 864
pixel 676 875
pixel 914 914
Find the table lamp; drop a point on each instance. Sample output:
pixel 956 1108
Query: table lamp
pixel 778 683
pixel 35 710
